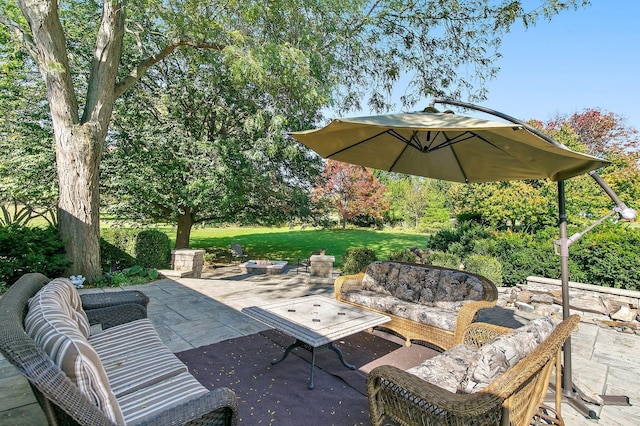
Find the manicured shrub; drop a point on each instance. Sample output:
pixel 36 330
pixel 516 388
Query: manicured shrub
pixel 24 249
pixel 153 249
pixel 444 259
pixel 459 240
pixel 404 255
pixel 113 249
pixel 355 259
pixel 485 265
pixel 523 254
pixel 122 248
pixel 608 257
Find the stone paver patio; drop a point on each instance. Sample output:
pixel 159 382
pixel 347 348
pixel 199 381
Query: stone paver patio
pixel 190 313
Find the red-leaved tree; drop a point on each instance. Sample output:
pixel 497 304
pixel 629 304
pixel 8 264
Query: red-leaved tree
pixel 600 131
pixel 352 190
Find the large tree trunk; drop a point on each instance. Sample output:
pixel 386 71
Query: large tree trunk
pixel 79 141
pixel 78 156
pixel 183 234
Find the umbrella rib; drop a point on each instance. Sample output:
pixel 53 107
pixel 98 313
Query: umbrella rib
pixel 466 179
pixel 398 158
pixel 389 131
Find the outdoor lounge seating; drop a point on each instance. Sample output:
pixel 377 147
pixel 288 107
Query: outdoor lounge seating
pixel 122 374
pixel 237 253
pixel 494 376
pixel 306 263
pixel 425 302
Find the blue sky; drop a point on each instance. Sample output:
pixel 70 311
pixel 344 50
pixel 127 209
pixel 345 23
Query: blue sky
pixel 580 59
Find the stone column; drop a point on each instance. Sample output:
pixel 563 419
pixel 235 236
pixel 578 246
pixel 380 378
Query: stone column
pixel 321 270
pixel 188 260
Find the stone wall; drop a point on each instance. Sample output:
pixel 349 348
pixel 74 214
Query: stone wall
pixel 608 307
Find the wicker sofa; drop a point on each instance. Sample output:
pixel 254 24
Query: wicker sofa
pixel 102 366
pixel 425 302
pixel 495 376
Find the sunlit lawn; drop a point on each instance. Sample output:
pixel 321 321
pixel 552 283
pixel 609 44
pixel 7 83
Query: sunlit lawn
pixel 292 244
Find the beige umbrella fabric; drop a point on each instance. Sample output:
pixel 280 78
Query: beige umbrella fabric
pixel 446 146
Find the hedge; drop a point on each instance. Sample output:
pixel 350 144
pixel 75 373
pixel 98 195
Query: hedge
pixel 25 249
pixel 125 247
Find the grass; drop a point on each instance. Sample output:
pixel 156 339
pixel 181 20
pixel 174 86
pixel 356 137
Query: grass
pixel 292 244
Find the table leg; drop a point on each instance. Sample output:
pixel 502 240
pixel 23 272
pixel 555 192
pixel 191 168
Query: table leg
pixel 341 356
pixel 311 349
pixel 313 364
pixel 297 344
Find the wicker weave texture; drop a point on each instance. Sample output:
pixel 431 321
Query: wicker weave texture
pixel 518 393
pixel 411 330
pixel 59 398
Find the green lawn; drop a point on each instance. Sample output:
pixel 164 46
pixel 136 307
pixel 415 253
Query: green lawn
pixel 286 244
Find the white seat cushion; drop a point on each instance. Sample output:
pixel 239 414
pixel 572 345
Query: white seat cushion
pixel 134 357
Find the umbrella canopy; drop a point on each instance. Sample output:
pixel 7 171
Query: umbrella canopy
pixel 446 146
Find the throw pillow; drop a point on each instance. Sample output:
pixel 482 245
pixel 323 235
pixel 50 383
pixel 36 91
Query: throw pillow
pixel 504 352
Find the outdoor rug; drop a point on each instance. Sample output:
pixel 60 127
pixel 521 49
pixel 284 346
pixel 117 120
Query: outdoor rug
pixel 279 395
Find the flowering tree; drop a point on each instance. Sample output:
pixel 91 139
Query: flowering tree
pixel 352 190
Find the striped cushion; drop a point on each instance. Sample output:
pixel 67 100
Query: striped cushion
pixel 64 291
pixel 52 325
pixel 154 399
pixel 134 357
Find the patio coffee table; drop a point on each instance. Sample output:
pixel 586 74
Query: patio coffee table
pixel 315 322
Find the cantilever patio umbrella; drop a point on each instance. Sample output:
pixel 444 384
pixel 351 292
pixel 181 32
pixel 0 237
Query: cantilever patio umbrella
pixel 446 146
pixel 463 149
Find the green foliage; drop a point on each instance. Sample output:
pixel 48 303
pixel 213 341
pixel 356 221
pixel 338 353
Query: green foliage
pixel 609 257
pixel 28 184
pixel 355 259
pixel 125 247
pixel 153 249
pixel 117 248
pixel 129 276
pixel 522 255
pixel 461 239
pixel 487 266
pixel 444 259
pixel 403 255
pixel 24 249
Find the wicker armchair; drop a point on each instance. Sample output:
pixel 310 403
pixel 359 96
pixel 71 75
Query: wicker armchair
pixel 60 399
pixel 511 399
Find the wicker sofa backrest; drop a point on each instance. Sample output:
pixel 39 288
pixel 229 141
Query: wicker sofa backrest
pixel 422 283
pixel 60 399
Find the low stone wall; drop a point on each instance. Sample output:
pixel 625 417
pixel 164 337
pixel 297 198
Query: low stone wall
pixel 608 307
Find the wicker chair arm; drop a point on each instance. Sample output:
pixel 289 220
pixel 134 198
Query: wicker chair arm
pixel 426 403
pixel 345 282
pixel 218 407
pixel 467 314
pixel 479 333
pixel 116 315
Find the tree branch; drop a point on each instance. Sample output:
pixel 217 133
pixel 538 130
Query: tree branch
pixel 50 43
pixel 21 35
pixel 137 73
pixel 104 66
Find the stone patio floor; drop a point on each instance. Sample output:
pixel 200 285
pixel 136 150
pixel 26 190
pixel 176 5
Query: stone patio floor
pixel 190 313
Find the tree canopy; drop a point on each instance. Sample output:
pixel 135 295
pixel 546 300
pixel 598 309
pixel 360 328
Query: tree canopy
pixel 329 53
pixel 351 190
pixel 532 205
pixel 191 145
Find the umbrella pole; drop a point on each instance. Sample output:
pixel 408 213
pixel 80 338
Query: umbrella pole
pixel 568 389
pixel 571 394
